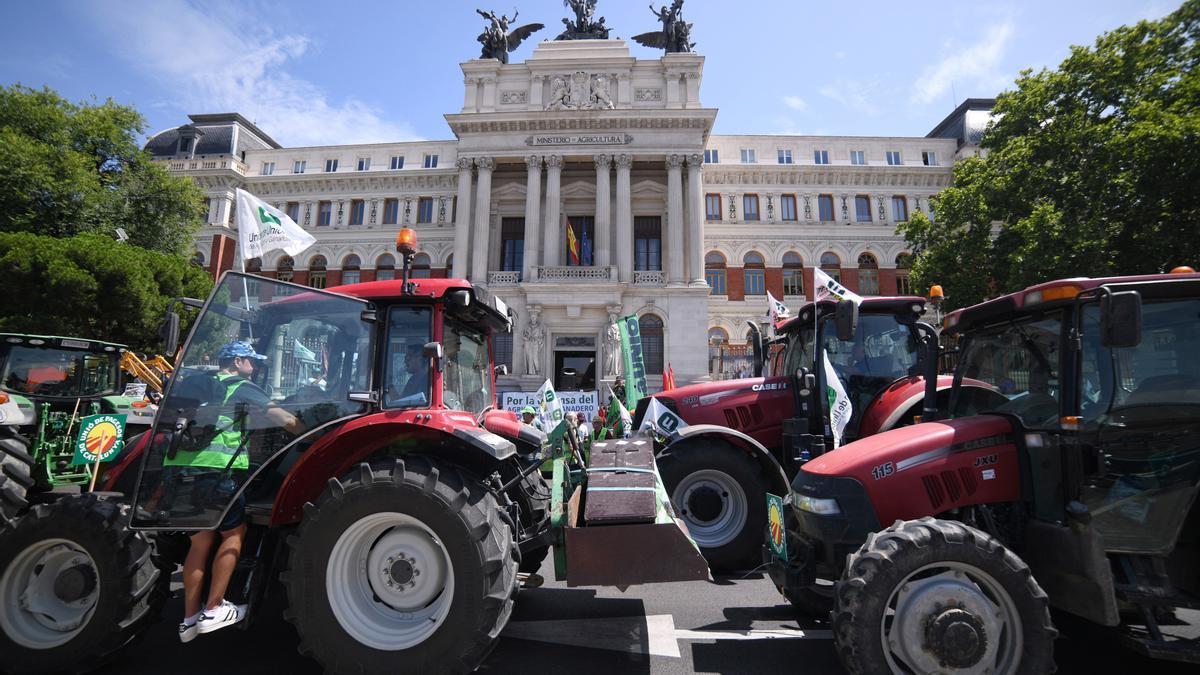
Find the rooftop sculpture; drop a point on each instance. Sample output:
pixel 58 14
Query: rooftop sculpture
pixel 498 40
pixel 676 34
pixel 583 27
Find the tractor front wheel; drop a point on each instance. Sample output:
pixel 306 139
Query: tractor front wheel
pixel 16 474
pixel 402 566
pixel 934 595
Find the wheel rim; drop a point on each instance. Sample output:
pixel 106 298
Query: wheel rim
pixel 390 581
pixel 951 617
pixel 49 594
pixel 713 505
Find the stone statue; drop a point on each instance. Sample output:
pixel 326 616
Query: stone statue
pixel 498 40
pixel 583 27
pixel 535 338
pixel 612 347
pixel 560 94
pixel 676 34
pixel 580 91
pixel 600 96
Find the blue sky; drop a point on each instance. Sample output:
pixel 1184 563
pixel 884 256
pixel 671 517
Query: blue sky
pixel 315 72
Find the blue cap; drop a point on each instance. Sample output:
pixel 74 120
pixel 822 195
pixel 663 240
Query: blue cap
pixel 239 350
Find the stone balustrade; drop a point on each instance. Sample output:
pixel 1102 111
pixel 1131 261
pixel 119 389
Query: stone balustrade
pixel 575 275
pixel 649 278
pixel 504 278
pixel 226 163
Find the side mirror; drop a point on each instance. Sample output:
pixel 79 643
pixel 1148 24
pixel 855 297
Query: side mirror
pixel 846 319
pixel 1121 319
pixel 502 369
pixel 756 343
pixel 170 333
pixel 461 297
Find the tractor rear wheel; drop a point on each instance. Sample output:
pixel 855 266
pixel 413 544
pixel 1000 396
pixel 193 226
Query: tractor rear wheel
pixel 934 595
pixel 720 494
pixel 403 565
pixel 16 474
pixel 534 500
pixel 76 585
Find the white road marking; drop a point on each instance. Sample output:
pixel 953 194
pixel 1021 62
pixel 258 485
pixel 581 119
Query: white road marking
pixel 654 635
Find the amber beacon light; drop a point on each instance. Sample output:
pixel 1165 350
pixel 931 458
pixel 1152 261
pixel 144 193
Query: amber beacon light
pixel 406 241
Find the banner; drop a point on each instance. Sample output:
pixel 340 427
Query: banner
pixel 828 287
pixel 99 435
pixel 586 402
pixel 550 412
pixel 777 534
pixel 776 309
pixel 840 407
pixel 660 418
pixel 263 228
pixel 634 366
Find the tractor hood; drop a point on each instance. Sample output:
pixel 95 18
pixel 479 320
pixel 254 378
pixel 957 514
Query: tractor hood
pixel 755 406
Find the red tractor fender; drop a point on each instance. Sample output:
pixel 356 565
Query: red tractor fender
pixel 903 397
pixel 445 433
pixel 929 468
pixel 776 478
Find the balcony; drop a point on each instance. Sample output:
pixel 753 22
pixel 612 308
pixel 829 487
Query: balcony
pixel 504 278
pixel 649 278
pixel 575 275
pixel 218 164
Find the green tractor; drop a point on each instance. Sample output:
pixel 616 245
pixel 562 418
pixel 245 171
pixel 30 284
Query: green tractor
pixel 47 384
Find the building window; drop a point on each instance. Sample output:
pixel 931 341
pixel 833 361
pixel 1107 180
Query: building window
pixel 899 208
pixel 793 274
pixel 364 163
pixel 331 165
pixel 929 158
pixel 785 156
pixel 831 265
pixel 584 229
pixel 397 162
pixel 284 269
pixel 862 208
pixel 324 213
pixel 299 166
pixel 712 206
pixel 754 274
pixel 185 144
pixel 425 210
pixel 391 211
pixel 749 207
pixel 385 267
pixel 825 207
pixel 431 161
pixel 293 211
pixel 357 209
pixel 748 156
pixel 787 207
pixel 903 263
pixel 858 158
pixel 512 244
pixel 268 168
pixel 502 350
pixel 421 267
pixel 893 158
pixel 868 275
pixel 711 157
pixel 316 271
pixel 714 272
pixel 651 328
pixel 647 243
pixel 351 272
pixel 820 156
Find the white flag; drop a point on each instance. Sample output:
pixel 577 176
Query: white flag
pixel 550 410
pixel 828 287
pixel 776 309
pixel 303 353
pixel 660 417
pixel 263 228
pixel 840 407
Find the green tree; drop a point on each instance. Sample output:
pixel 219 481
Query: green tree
pixel 1090 169
pixel 89 286
pixel 68 168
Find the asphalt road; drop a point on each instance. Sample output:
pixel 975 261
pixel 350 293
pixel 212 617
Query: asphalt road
pixel 732 625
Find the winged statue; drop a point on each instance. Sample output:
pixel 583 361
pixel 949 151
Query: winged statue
pixel 498 40
pixel 675 35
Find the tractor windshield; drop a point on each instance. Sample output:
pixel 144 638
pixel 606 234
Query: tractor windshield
pixel 467 380
pixel 258 371
pixel 1020 360
pixel 52 372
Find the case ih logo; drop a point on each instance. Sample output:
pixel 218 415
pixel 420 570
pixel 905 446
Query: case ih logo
pixel 769 386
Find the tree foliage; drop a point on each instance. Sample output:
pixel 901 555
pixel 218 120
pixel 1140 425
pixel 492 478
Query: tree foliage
pixel 68 168
pixel 91 286
pixel 1090 169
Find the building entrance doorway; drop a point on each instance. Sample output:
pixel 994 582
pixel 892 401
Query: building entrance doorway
pixel 574 371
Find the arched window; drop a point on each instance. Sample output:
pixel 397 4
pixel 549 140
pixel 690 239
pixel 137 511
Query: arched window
pixel 316 271
pixel 831 264
pixel 385 267
pixel 868 275
pixel 284 268
pixel 903 263
pixel 754 274
pixel 714 272
pixel 793 274
pixel 351 269
pixel 198 259
pixel 420 266
pixel 717 336
pixel 651 328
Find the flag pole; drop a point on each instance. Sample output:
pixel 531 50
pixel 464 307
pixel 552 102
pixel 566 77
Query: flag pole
pixel 241 254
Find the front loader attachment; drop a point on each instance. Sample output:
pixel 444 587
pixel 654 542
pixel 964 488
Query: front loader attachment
pixel 614 524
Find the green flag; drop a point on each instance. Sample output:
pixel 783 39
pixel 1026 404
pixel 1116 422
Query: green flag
pixel 635 367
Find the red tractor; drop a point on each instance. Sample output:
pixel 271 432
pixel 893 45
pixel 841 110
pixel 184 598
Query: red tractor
pixel 1069 481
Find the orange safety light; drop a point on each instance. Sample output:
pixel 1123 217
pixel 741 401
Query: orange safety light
pixel 3 398
pixel 935 292
pixel 1183 269
pixel 406 241
pixel 140 404
pixel 1071 422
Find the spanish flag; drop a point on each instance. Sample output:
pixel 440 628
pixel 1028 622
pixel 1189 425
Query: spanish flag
pixel 572 245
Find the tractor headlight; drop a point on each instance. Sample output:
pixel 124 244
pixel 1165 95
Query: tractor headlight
pixel 821 507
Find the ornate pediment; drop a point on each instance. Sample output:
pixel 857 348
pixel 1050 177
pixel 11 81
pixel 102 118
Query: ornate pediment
pixel 581 91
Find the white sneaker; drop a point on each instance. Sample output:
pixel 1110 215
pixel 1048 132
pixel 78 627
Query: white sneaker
pixel 224 614
pixel 189 631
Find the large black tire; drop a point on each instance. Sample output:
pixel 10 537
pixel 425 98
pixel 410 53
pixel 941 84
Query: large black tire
pixel 16 474
pixel 720 493
pixel 105 593
pixel 811 601
pixel 533 498
pixel 942 568
pixel 420 504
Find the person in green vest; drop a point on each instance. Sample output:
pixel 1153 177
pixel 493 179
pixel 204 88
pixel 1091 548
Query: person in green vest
pixel 210 469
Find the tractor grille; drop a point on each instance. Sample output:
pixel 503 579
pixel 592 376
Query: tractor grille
pixel 743 416
pixel 949 485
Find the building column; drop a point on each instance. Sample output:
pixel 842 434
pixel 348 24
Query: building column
pixel 462 220
pixel 675 257
pixel 695 228
pixel 483 216
pixel 533 217
pixel 624 220
pixel 602 245
pixel 553 210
